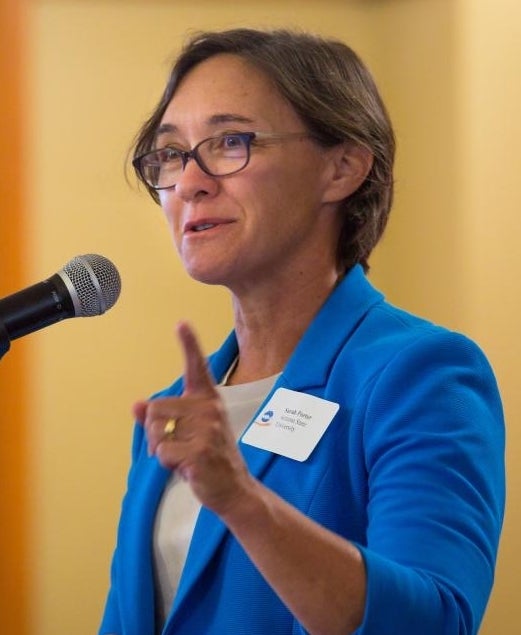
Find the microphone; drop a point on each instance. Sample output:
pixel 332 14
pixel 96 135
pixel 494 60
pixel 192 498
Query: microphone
pixel 87 285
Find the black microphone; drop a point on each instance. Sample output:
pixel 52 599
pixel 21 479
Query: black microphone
pixel 87 285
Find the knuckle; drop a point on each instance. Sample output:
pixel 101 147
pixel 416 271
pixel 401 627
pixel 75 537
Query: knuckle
pixel 163 453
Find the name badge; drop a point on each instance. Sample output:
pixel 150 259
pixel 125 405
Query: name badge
pixel 290 424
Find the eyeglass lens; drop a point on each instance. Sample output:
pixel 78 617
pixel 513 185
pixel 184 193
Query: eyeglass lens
pixel 217 156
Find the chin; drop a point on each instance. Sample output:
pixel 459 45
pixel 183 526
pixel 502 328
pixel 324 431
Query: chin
pixel 205 275
pixel 216 268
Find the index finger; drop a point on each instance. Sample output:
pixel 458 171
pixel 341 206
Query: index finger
pixel 197 377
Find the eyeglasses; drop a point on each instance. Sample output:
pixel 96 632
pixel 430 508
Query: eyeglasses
pixel 222 155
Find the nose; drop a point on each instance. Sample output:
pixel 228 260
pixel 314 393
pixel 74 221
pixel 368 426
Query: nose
pixel 194 183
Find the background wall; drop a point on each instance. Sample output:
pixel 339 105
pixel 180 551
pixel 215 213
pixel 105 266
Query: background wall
pixel 95 69
pixel 13 461
pixel 489 100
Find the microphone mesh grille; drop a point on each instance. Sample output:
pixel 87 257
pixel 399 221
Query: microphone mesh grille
pixel 96 282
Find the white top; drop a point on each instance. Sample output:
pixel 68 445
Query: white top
pixel 178 509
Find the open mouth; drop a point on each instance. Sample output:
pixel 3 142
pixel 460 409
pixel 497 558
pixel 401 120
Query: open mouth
pixel 202 227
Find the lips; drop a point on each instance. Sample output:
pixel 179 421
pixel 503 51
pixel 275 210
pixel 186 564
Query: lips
pixel 204 224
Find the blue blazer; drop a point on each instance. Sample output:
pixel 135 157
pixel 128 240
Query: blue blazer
pixel 411 470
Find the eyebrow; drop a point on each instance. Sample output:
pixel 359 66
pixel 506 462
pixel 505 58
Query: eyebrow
pixel 214 120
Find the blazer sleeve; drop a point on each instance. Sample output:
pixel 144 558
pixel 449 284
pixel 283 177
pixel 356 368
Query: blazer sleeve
pixel 434 454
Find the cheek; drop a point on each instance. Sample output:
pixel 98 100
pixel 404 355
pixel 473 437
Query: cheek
pixel 168 206
pixel 292 193
pixel 166 202
pixel 171 215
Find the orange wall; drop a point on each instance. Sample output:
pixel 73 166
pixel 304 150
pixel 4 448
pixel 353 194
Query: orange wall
pixel 13 508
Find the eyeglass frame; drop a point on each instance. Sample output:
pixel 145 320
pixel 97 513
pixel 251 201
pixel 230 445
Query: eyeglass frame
pixel 186 155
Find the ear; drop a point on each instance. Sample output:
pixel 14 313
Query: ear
pixel 349 167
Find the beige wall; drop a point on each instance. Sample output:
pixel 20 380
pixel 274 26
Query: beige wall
pixel 490 102
pixel 96 69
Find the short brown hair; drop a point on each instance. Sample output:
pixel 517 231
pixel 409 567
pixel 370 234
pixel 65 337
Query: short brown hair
pixel 336 97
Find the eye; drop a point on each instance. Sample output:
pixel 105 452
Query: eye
pixel 166 155
pixel 229 145
pixel 232 141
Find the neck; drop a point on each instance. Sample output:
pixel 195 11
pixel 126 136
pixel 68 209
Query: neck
pixel 269 323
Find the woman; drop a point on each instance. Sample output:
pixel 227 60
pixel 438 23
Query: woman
pixel 337 466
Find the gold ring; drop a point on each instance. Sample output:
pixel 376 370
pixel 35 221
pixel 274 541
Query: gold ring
pixel 169 428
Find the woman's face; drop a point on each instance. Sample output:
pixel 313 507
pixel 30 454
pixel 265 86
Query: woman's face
pixel 275 217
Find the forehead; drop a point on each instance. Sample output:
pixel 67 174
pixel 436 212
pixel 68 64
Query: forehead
pixel 227 88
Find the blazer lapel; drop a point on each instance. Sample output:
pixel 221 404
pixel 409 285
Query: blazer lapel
pixel 134 547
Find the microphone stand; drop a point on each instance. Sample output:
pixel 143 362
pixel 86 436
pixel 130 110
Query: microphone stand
pixel 5 342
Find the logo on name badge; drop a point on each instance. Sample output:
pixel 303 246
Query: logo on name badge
pixel 265 418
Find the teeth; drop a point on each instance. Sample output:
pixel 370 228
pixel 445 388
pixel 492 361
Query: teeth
pixel 200 228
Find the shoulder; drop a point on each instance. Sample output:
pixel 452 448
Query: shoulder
pixel 389 336
pixel 394 359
